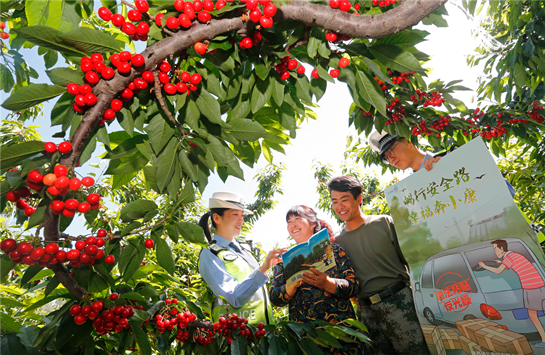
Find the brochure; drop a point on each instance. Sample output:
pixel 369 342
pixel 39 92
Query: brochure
pixel 316 253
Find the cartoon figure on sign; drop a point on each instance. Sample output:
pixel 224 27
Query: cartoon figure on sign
pixel 532 282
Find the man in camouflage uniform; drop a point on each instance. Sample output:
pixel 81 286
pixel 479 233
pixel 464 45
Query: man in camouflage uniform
pixel 385 299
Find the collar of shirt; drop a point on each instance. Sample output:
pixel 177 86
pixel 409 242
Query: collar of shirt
pixel 224 242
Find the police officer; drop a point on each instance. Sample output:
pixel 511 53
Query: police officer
pixel 232 273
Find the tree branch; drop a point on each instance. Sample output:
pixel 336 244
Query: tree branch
pixel 159 96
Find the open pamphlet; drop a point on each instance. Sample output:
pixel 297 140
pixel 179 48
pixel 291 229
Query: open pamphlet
pixel 316 253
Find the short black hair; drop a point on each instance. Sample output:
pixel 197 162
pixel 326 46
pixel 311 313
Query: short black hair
pixel 346 184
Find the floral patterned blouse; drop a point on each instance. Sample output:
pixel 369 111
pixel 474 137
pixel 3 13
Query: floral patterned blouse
pixel 312 303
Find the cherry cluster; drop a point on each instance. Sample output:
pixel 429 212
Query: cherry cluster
pixel 3 35
pixel 343 5
pixel 435 100
pixel 230 323
pixel 421 129
pixel 383 3
pixel 334 37
pixel 256 15
pixel 397 110
pixel 138 32
pixel 440 124
pixel 381 83
pixel 249 42
pixel 287 64
pixel 534 115
pixel 402 77
pixel 189 11
pixel 343 62
pixel 86 252
pixel 421 95
pixel 19 197
pixel 188 82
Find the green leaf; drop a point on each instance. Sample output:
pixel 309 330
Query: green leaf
pixel 261 94
pixel 166 165
pixel 136 210
pixel 314 42
pixel 164 255
pixel 6 265
pixel 404 39
pixel 209 107
pixel 239 346
pixel 37 217
pixel 395 58
pixel 44 12
pixel 302 88
pixel 6 79
pixel 369 91
pixel 91 40
pixel 127 165
pixel 192 233
pixel 141 339
pixel 160 132
pixel 31 95
pixel 122 180
pixel 13 155
pixel 187 166
pixel 277 90
pixel 65 76
pixel 130 227
pixel 47 37
pixel 245 129
pixel 10 325
pixel 131 258
pixel 125 148
pixel 30 272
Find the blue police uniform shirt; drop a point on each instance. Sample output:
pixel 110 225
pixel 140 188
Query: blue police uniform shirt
pixel 222 283
pixel 509 186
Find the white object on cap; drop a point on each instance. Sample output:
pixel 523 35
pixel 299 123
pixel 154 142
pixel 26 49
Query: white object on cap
pixel 377 140
pixel 228 200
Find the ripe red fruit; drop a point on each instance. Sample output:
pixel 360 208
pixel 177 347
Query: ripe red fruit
pixel 85 89
pixel 134 15
pixel 24 248
pixel 4 35
pixel 170 88
pixel 61 256
pixel 80 101
pixel 105 14
pixel 181 87
pixel 91 249
pixel 29 211
pixel 138 60
pixel 116 105
pixel 85 258
pixel 172 22
pixel 257 37
pixel 344 62
pixel 49 179
pixel 331 36
pixel 37 253
pixel 345 5
pixel 148 77
pixel 83 207
pixel 334 73
pixel 163 78
pixel 204 16
pixel 110 259
pixel 34 186
pixel 97 306
pixel 57 206
pixel 96 58
pixel 127 94
pixel 52 190
pixel 140 84
pixel 246 42
pixel 179 5
pixel 158 19
pixel 114 295
pixel 51 248
pixel 68 213
pixel 8 245
pixel 90 99
pixel 118 20
pixel 22 204
pixel 35 177
pixel 101 233
pixel 220 4
pixel 142 29
pixel 72 88
pixel 269 10
pixel 266 22
pixel 107 73
pixel 15 255
pixel 12 196
pixel 71 204
pixel 197 5
pixel 285 75
pixel 79 319
pixel 75 310
pixel 93 198
pixel 86 66
pixel 334 3
pixel 196 78
pixel 65 147
pixel 60 170
pixel 129 28
pixel 315 74
pixel 50 147
pixel 165 67
pixel 192 87
pixel 142 5
pixel 255 15
pixel 72 254
pixel 292 64
pixel 124 67
pixel 185 77
pixel 62 182
pixel 109 115
pixel 149 243
pixel 92 77
pixel 23 192
pixel 208 5
pixel 75 184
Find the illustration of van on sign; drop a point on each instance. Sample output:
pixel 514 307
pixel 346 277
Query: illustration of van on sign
pixel 453 286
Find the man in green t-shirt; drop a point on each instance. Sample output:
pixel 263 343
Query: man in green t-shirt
pixel 385 299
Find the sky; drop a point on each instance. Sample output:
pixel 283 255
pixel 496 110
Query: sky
pixel 321 140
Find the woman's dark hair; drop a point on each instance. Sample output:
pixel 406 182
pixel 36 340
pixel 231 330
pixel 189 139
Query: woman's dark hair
pixel 203 222
pixel 310 215
pixel 346 184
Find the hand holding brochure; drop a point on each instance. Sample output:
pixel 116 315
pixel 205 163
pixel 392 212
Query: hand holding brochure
pixel 316 253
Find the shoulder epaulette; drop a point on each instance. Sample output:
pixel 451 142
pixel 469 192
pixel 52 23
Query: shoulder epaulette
pixel 215 249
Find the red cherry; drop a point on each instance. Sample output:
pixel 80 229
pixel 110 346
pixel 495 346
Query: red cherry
pixel 204 16
pixel 34 186
pixel 80 100
pixel 8 245
pixel 57 206
pixel 344 62
pixel 315 74
pixel 72 254
pixel 148 77
pixel 208 5
pixel 192 87
pixel 246 43
pixel 93 198
pixel 334 73
pixel 163 78
pixel 85 258
pixel 15 255
pixel 4 35
pixel 61 256
pixel 170 88
pixel 29 211
pixel 101 233
pixel 62 182
pixel 107 73
pixel 109 114
pixel 334 3
pixel 140 84
pixel 51 248
pixel 189 11
pixel 72 88
pixel 269 10
pixel 65 147
pixel 110 259
pixel 37 253
pixel 181 87
pixel 86 66
pixel 12 196
pixel 50 147
pixel 75 184
pixel 83 207
pixel 196 78
pixel 266 22
pixel 75 310
pixel 285 75
pixel 172 22
pixel 60 170
pixel 331 36
pixel 52 190
pixel 124 67
pixel 118 20
pixel 158 19
pixel 22 204
pixel 134 15
pixel 71 204
pixel 292 64
pixel 24 248
pixel 92 77
pixel 165 67
pixel 35 176
pixel 149 243
pixel 90 99
pixel 142 5
pixel 96 58
pixel 179 5
pixel 116 105
pixel 79 319
pixel 255 15
pixel 129 28
pixel 220 4
pixel 105 14
pixel 127 94
pixel 114 296
pixel 185 77
pixel 138 60
pixel 85 89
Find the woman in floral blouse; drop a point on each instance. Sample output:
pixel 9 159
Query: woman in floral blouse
pixel 322 296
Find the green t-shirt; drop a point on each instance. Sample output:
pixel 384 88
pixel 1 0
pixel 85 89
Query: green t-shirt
pixel 374 252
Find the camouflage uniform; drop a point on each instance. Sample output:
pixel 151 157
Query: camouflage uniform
pixel 393 326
